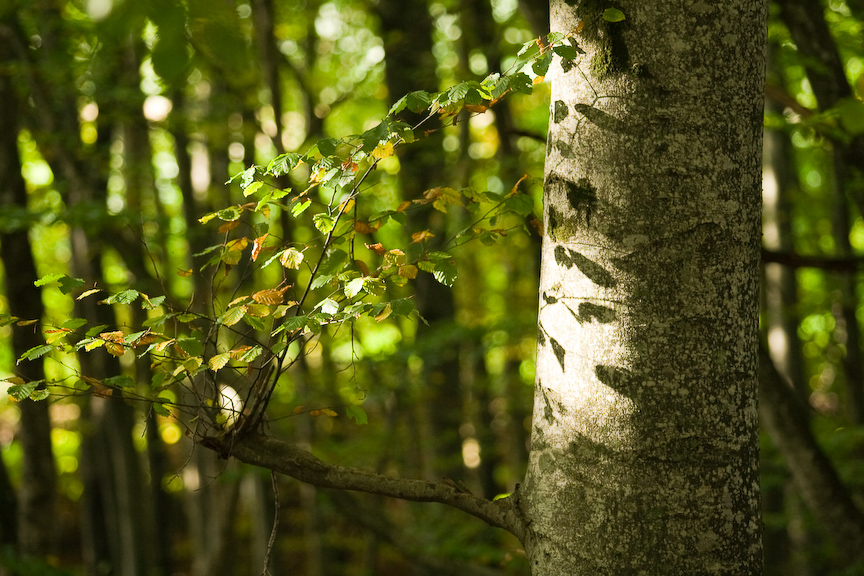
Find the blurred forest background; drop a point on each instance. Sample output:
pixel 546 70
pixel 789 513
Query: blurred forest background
pixel 121 122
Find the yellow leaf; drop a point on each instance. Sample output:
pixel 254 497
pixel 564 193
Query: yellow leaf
pixel 228 226
pixel 270 296
pixel 219 361
pixel 408 271
pixel 26 322
pixel 476 108
pixel 17 380
pixel 328 412
pixel 238 244
pixel 260 310
pixel 233 315
pixel 163 345
pixel 418 237
pixel 266 212
pixel 88 293
pixel 384 313
pixel 116 336
pixel 538 80
pixel 297 410
pixel 404 206
pixel 184 273
pixel 383 151
pixel 291 258
pixel 115 349
pixel 238 352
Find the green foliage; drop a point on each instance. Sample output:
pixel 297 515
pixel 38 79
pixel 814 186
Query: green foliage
pixel 342 275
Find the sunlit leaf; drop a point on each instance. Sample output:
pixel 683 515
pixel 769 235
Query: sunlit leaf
pixel 233 315
pixel 219 361
pixel 300 207
pixel 353 287
pixel 48 279
pixel 613 15
pixel 115 349
pixel 36 352
pixel 408 271
pixel 329 306
pixel 257 245
pixel 270 296
pixel 323 222
pixel 252 188
pixel 384 150
pixel 291 258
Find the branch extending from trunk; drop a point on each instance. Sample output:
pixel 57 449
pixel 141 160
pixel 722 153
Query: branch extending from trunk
pixel 823 491
pixel 269 452
pixel 793 260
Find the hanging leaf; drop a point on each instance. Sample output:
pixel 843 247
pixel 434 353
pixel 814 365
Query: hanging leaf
pixel 270 296
pixel 291 258
pixel 228 226
pixel 357 414
pixel 219 361
pixel 383 151
pixel 252 188
pixel 233 315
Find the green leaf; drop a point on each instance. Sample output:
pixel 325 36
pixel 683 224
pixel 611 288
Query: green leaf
pixel 357 414
pixel 327 146
pixel 121 381
pixel 541 65
pixel 233 315
pixel 284 163
pixel 445 273
pixel 254 322
pixel 68 284
pixel 36 352
pixel 229 214
pixel 613 15
pixel 851 115
pixel 21 392
pixel 192 346
pixel 247 177
pixel 74 323
pixel 300 207
pixel 323 222
pixel 566 52
pixel 402 306
pixel 125 297
pixel 48 279
pixel 38 395
pixel 159 407
pixel 252 188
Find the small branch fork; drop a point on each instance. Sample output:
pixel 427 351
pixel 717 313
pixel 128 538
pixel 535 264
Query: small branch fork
pixel 278 456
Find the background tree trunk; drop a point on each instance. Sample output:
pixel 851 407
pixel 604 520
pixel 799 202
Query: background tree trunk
pixel 644 455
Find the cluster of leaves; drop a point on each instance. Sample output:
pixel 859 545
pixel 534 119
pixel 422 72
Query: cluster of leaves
pixel 326 281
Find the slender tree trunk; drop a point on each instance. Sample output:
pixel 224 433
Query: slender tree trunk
pixel 644 456
pixel 36 499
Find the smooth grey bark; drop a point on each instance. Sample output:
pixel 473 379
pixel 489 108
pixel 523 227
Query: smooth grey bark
pixel 644 455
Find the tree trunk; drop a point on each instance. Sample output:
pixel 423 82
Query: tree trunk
pixel 36 499
pixel 644 456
